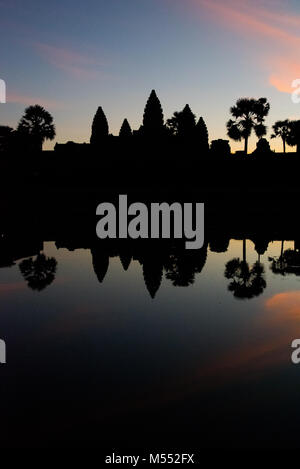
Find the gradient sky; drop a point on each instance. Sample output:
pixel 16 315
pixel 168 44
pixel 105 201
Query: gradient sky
pixel 72 56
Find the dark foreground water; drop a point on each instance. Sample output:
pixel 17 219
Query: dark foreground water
pixel 128 349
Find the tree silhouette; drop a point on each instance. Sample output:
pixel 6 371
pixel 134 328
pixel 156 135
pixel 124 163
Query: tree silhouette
pixel 125 130
pixel 100 128
pixel 153 120
pixel 37 124
pixel 181 267
pixel 183 123
pixel 173 123
pixel 278 264
pixel 180 270
pixel 294 135
pixel 38 273
pixel 249 114
pixel 245 282
pixel 6 134
pixel 287 263
pixel 282 129
pixel 202 135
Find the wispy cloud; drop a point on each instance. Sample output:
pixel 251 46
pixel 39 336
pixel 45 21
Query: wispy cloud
pixel 266 23
pixel 74 63
pixel 11 287
pixel 285 71
pixel 26 100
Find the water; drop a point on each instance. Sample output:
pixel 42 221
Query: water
pixel 134 360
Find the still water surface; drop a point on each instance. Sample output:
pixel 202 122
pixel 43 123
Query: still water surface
pixel 101 355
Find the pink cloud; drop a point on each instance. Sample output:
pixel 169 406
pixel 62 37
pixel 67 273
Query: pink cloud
pixel 285 72
pixel 285 308
pixel 250 17
pixel 28 100
pixel 275 31
pixel 72 62
pixel 11 287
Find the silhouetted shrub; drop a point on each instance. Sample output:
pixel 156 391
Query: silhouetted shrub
pixel 263 148
pixel 219 243
pixel 6 135
pixel 220 148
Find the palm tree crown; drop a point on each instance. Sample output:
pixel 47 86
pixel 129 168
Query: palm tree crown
pixel 37 123
pixel 248 114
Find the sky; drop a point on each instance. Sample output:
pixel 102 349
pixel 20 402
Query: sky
pixel 72 56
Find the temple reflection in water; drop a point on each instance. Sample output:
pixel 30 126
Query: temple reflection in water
pixel 158 259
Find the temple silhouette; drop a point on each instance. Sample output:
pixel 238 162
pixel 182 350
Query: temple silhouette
pixel 161 157
pixel 247 118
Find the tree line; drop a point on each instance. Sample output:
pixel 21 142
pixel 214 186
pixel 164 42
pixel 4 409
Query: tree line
pixel 247 116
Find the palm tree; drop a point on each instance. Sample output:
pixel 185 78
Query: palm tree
pixel 287 263
pixel 282 129
pixel 245 282
pixel 37 123
pixel 294 135
pixel 278 264
pixel 38 272
pixel 249 114
pixel 181 267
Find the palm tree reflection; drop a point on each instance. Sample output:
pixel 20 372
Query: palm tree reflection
pixel 181 267
pixel 288 262
pixel 245 282
pixel 38 272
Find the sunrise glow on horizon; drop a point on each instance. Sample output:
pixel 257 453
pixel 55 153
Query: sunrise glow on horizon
pixel 202 52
